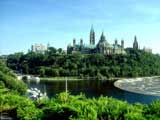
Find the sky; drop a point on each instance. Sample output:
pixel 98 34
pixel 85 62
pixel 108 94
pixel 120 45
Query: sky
pixel 27 22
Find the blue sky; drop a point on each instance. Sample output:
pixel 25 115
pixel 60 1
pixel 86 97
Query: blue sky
pixel 26 22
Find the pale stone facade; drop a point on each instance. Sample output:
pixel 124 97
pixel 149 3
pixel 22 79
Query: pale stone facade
pixel 102 47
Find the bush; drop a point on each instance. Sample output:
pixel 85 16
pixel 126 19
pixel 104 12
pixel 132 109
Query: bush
pixel 65 106
pixel 8 79
pixel 2 85
pixel 25 108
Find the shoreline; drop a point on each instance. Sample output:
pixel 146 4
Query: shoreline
pixel 88 78
pixel 72 78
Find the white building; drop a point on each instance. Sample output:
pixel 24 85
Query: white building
pixel 148 50
pixel 38 48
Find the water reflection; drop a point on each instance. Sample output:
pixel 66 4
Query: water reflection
pixel 91 88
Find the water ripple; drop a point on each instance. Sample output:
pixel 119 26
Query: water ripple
pixel 147 85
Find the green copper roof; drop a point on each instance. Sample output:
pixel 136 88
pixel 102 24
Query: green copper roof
pixel 90 46
pixel 110 46
pixel 116 46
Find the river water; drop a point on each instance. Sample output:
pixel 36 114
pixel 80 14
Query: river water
pixel 92 88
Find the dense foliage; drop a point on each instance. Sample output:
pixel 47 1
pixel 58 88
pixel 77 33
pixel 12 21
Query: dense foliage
pixel 65 106
pixel 8 80
pixel 51 63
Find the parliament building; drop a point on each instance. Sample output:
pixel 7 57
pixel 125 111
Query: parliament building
pixel 102 47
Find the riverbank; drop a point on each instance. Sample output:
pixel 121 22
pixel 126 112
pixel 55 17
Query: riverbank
pixel 85 78
pixel 59 78
pixel 75 78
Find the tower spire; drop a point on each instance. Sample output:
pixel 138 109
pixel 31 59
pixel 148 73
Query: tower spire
pixel 92 36
pixel 102 38
pixel 92 30
pixel 102 33
pixel 135 44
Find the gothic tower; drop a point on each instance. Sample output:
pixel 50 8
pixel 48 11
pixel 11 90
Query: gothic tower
pixel 116 42
pixel 102 38
pixel 122 44
pixel 81 42
pixel 135 44
pixel 92 36
pixel 74 42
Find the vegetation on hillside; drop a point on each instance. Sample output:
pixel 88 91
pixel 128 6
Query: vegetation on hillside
pixel 65 106
pixel 8 80
pixel 54 64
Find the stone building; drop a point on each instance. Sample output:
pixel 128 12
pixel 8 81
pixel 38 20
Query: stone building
pixel 102 47
pixel 148 50
pixel 38 48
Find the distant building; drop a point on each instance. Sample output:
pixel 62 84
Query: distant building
pixel 102 47
pixel 92 36
pixel 38 48
pixel 135 43
pixel 148 50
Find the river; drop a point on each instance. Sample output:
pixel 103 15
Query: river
pixel 92 88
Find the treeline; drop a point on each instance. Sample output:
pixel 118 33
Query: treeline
pixel 54 64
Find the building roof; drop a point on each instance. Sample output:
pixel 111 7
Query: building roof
pixel 89 46
pixel 116 46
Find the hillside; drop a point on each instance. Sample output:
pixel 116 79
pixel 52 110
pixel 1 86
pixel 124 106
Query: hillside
pixel 66 106
pixel 53 64
pixel 8 80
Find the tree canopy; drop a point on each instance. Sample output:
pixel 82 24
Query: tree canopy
pixel 135 63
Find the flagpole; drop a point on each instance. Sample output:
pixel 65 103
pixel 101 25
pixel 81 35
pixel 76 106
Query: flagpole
pixel 66 86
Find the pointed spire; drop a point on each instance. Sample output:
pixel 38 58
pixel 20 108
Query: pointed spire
pixel 92 36
pixel 102 35
pixel 135 38
pixel 135 43
pixel 92 30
